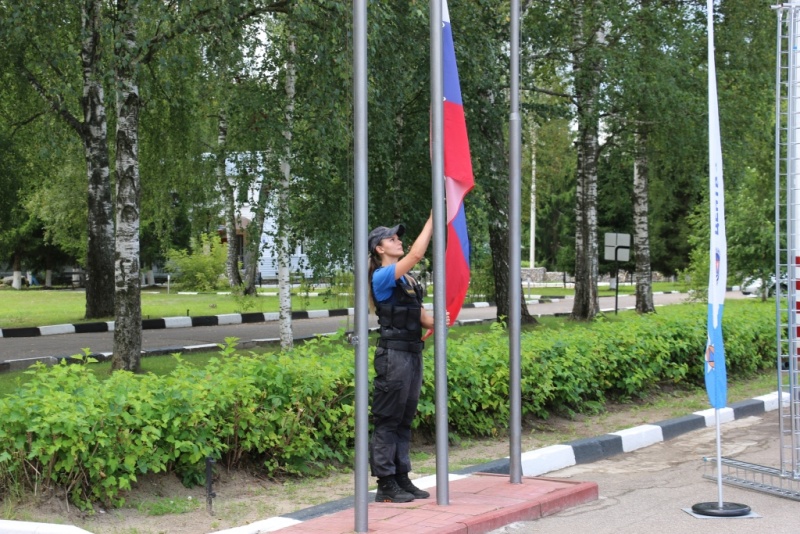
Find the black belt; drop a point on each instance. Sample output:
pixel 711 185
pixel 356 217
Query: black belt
pixel 396 344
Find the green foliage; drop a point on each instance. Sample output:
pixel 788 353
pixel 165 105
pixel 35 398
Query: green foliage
pixel 696 274
pixel 202 268
pixel 293 413
pixel 481 284
pixel 243 302
pixel 577 368
pixel 61 206
pixel 66 428
pixel 750 227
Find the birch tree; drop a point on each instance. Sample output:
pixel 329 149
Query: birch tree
pixel 128 303
pixel 586 66
pixel 284 217
pixel 129 54
pixel 228 189
pixel 43 46
pixel 641 233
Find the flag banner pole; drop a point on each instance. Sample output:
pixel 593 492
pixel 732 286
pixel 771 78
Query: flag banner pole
pixel 720 503
pixel 714 364
pixel 720 508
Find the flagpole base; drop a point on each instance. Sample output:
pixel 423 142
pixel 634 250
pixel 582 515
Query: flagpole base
pixel 728 509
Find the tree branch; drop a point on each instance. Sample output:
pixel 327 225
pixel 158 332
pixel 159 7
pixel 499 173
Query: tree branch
pixel 547 92
pixel 56 102
pixel 158 41
pixel 17 125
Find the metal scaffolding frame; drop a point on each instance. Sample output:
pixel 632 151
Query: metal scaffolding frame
pixel 787 232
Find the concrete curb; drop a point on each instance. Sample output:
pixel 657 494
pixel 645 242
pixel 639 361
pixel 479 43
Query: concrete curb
pixel 233 318
pixel 25 527
pixel 188 322
pixel 548 459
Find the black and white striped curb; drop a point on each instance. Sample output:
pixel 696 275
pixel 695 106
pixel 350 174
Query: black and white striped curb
pixel 231 319
pixel 589 450
pixel 188 322
pixel 554 457
pixel 170 322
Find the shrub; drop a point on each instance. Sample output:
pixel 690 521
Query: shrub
pixel 292 413
pixel 203 267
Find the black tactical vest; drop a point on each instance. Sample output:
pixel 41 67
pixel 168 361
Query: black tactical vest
pixel 399 316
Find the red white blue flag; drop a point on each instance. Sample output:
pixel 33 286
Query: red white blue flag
pixel 715 374
pixel 458 176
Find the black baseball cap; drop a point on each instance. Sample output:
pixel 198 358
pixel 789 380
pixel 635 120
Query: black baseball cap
pixel 382 232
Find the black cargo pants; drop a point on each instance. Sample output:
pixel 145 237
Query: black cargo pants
pixel 397 387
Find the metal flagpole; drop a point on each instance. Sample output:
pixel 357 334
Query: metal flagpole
pixel 360 222
pixel 514 259
pixel 714 366
pixel 439 232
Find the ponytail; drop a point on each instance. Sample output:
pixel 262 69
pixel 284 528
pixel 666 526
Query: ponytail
pixel 374 263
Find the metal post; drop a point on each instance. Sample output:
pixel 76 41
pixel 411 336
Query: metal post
pixel 210 485
pixel 616 279
pixel 360 222
pixel 514 259
pixel 791 444
pixel 439 230
pixel 781 260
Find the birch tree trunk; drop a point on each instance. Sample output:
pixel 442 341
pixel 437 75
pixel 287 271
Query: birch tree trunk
pixel 16 280
pixel 93 132
pixel 641 226
pixel 128 304
pixel 228 192
pixel 284 258
pixel 252 253
pixel 586 75
pixel 100 250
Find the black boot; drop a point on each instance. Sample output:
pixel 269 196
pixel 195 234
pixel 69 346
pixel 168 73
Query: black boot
pixel 406 485
pixel 389 491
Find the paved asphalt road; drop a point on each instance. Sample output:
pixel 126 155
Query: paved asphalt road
pixel 647 490
pixel 70 344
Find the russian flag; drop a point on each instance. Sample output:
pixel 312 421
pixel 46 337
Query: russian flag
pixel 457 174
pixel 715 372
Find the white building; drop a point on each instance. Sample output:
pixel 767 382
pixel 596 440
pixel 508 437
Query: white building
pixel 268 261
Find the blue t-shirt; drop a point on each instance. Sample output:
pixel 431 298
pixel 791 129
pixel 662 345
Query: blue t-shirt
pixel 383 282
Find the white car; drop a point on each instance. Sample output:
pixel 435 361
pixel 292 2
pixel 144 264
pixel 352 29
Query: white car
pixel 752 286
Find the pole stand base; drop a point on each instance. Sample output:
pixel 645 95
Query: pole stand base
pixel 728 509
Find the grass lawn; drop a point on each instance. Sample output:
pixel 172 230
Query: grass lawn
pixel 38 307
pixel 696 400
pixel 603 290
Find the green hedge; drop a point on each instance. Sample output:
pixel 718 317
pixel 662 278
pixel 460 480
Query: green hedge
pixel 578 367
pixel 293 413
